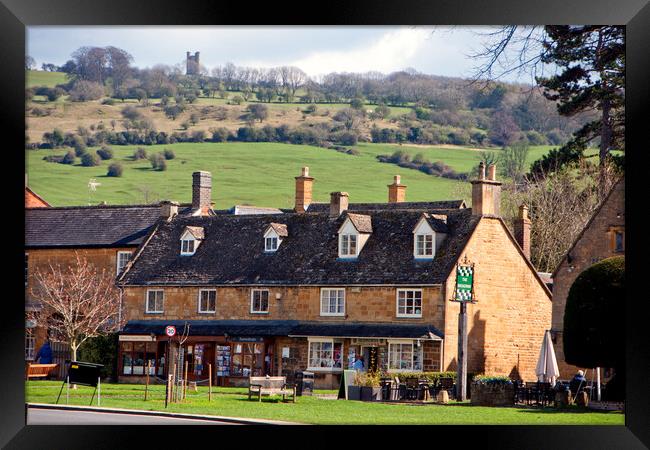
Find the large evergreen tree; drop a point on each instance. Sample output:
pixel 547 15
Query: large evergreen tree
pixel 591 59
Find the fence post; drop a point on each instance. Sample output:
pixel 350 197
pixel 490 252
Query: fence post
pixel 67 392
pixel 209 382
pixel 146 386
pixel 185 381
pixel 174 387
pixel 99 391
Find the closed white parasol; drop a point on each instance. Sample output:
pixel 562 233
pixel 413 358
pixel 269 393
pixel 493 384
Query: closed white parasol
pixel 547 370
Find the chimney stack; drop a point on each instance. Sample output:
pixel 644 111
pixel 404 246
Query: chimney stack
pixel 201 192
pixel 522 230
pixel 338 203
pixel 486 193
pixel 168 209
pixel 303 191
pixel 396 191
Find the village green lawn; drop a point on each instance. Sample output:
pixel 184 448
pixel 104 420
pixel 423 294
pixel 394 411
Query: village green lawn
pixel 233 402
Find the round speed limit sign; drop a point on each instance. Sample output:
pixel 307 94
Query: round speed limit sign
pixel 170 330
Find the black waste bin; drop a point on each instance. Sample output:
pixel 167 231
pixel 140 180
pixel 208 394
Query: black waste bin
pixel 304 383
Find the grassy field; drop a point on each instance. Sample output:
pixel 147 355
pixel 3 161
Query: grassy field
pixel 233 402
pixel 41 78
pixel 243 173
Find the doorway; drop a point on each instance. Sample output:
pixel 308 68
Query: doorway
pixel 370 358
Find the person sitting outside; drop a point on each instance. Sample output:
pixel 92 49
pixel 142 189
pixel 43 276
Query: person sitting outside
pixel 577 382
pixel 44 355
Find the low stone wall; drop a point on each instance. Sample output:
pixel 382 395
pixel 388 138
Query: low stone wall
pixel 493 394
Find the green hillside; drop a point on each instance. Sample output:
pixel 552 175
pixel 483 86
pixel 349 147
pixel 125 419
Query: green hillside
pixel 250 173
pixel 41 78
pixel 260 173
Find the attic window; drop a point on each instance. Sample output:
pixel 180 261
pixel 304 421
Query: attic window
pixel 190 240
pixel 353 235
pixel 424 240
pixel 273 236
pixel 187 246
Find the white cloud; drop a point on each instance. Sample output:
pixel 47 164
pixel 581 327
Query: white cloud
pixel 392 51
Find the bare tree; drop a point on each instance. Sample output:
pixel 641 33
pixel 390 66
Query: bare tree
pixel 560 205
pixel 78 302
pixel 292 78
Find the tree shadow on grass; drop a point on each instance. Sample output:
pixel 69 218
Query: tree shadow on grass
pixel 569 410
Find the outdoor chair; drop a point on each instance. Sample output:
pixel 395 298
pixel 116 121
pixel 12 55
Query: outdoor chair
pixel 412 389
pixel 447 384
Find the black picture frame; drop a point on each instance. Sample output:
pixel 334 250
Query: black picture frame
pixel 15 15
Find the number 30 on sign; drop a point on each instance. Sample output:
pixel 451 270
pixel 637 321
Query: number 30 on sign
pixel 170 330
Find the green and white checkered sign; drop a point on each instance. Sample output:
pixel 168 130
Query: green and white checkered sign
pixel 464 283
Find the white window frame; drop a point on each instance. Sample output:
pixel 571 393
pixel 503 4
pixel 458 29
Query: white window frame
pixel 188 253
pixel 347 254
pixel 208 311
pixel 416 254
pixel 268 301
pixel 321 340
pixel 406 315
pixel 270 248
pixel 117 264
pixel 414 349
pixel 30 344
pixel 327 313
pixel 146 302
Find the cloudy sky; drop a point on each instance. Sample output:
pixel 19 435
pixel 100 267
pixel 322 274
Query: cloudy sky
pixel 316 50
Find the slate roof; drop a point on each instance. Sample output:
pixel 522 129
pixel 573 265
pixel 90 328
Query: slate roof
pixel 421 206
pixel 197 232
pixel 260 328
pixel 362 222
pixel 233 252
pixel 90 226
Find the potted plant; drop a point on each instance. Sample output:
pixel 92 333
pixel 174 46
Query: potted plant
pixel 370 386
pixel 354 390
pixel 493 391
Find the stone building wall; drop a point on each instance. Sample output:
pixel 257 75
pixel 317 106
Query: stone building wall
pixel 507 324
pixel 594 244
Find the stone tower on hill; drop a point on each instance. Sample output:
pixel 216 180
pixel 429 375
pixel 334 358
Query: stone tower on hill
pixel 192 64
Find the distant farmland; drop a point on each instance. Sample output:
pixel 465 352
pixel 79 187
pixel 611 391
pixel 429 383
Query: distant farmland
pixel 40 78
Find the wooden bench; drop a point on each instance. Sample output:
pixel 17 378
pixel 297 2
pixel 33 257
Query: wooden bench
pixel 40 370
pixel 270 386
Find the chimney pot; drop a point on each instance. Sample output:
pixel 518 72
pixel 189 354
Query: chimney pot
pixel 338 203
pixel 201 191
pixel 522 230
pixel 492 172
pixel 303 191
pixel 481 171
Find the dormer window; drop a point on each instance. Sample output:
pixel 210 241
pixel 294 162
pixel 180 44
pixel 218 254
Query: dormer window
pixel 353 235
pixel 424 240
pixel 190 240
pixel 273 236
pixel 348 245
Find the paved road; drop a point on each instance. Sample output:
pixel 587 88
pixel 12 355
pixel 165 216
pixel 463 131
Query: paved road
pixel 36 416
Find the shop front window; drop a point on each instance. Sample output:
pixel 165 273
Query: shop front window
pixel 325 354
pixel 247 359
pixel 137 356
pixel 404 356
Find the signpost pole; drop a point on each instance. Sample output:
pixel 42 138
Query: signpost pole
pixel 67 392
pixel 461 382
pixel 99 391
pixel 146 385
pixel 209 382
pixel 185 381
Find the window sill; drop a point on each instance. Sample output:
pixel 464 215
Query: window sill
pixel 408 316
pixel 325 369
pixel 332 314
pixel 154 312
pixel 259 312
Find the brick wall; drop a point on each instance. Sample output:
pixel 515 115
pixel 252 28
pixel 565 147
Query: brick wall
pixel 507 325
pixel 595 244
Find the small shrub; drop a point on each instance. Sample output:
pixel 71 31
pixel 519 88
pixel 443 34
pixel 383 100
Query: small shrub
pixel 114 170
pixel 40 112
pixel 219 134
pixel 310 109
pixel 105 153
pixel 90 160
pixel 53 158
pixel 140 153
pixel 169 154
pixel 68 158
pixel 83 91
pixel 108 101
pixel 158 162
